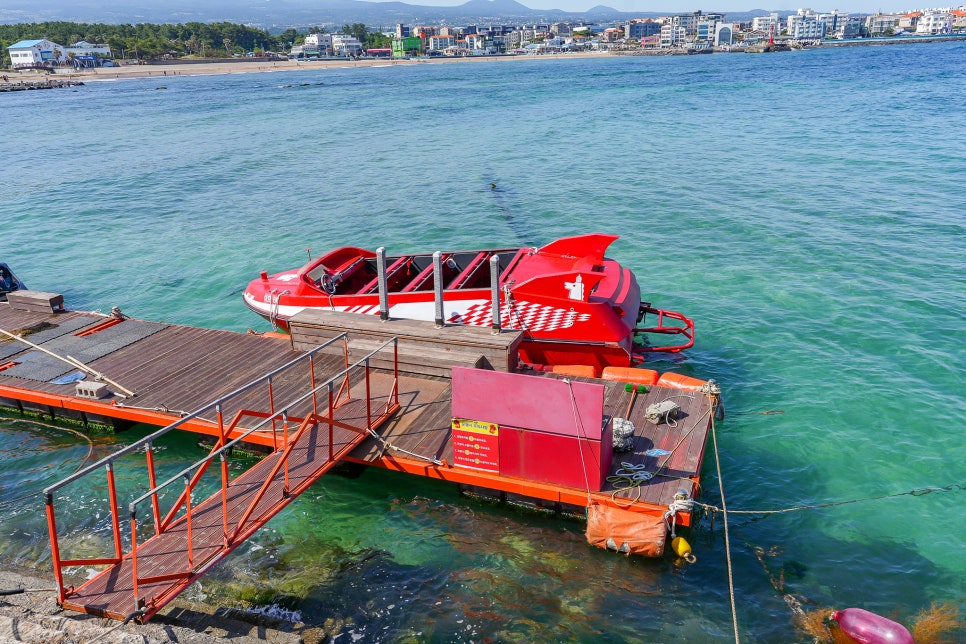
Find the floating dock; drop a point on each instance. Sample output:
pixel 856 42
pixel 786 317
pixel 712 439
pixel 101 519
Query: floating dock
pixel 448 403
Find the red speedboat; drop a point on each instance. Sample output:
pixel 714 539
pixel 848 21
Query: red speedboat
pixel 574 305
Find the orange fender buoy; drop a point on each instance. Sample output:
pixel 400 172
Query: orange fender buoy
pixel 680 381
pixel 629 374
pixel 579 370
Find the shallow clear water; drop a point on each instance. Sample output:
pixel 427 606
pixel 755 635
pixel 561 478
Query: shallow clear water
pixel 806 209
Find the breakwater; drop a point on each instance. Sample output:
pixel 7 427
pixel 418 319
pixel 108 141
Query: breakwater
pixel 22 85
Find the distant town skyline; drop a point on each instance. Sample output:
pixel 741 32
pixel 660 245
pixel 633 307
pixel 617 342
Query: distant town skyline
pixel 678 6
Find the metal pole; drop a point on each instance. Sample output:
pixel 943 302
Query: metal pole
pixel 383 287
pixel 495 292
pixel 153 482
pixel 54 546
pixel 438 287
pixel 115 521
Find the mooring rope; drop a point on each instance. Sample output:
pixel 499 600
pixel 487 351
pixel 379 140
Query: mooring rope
pixel 731 580
pixel 579 425
pixel 919 491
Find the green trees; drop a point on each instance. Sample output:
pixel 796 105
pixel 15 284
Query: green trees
pixel 145 40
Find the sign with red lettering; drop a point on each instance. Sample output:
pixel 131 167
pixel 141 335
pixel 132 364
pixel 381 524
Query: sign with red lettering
pixel 476 445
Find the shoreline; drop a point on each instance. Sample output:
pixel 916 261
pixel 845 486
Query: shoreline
pixel 259 65
pixel 34 616
pixel 251 66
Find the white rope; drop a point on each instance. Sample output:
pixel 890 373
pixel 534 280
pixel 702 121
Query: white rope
pixel 581 433
pixel 681 503
pixel 387 444
pixel 724 508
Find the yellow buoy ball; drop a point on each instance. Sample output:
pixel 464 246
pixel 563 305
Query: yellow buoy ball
pixel 682 548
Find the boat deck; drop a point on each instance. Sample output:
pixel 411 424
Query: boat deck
pixel 175 369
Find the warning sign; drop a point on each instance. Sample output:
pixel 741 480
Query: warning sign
pixel 476 444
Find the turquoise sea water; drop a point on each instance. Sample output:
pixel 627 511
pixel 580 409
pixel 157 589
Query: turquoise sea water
pixel 805 209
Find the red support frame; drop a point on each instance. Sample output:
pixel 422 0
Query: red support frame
pixel 183 509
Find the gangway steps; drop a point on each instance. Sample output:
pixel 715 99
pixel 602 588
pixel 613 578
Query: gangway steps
pixel 163 567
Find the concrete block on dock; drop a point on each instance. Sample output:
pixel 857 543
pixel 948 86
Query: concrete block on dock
pixel 90 389
pixel 37 301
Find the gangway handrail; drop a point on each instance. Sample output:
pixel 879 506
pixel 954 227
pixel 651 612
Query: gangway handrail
pixel 164 430
pixel 132 506
pixel 192 473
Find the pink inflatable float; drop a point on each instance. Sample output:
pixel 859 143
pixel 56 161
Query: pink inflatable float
pixel 868 628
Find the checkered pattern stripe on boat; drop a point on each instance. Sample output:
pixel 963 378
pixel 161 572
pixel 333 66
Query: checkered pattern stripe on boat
pixel 523 315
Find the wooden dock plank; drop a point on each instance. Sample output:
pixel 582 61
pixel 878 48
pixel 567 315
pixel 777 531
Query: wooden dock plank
pixel 184 368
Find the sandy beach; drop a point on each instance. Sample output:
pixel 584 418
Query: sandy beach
pixel 257 65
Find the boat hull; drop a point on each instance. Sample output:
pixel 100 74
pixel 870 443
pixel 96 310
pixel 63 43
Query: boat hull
pixel 572 304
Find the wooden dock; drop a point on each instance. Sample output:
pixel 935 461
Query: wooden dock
pixel 174 370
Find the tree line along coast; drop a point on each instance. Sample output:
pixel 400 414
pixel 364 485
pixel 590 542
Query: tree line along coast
pixel 219 40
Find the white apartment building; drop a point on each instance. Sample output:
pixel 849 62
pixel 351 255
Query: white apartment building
pixel 673 36
pixel 935 22
pixel 439 43
pixel 765 24
pixel 809 28
pixel 343 45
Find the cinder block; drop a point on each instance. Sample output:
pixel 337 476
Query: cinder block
pixel 36 301
pixel 89 389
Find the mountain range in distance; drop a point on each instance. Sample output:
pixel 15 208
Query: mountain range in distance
pixel 274 13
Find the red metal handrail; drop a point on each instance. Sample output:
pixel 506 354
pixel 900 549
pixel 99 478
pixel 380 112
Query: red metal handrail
pixel 147 443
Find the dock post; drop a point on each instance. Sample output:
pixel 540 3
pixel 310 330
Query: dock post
pixel 383 288
pixel 438 287
pixel 495 292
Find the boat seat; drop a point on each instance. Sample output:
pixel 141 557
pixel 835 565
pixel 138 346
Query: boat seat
pixel 395 267
pixel 469 272
pixel 417 282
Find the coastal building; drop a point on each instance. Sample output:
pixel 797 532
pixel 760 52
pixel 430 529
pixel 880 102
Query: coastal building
pixel 83 48
pixel 910 21
pixel 561 29
pixel 708 29
pixel 834 21
pixel 439 43
pixel 344 45
pixel 767 24
pixel 475 42
pixel 808 28
pixel 318 45
pixel 27 53
pixel 688 21
pixel 959 18
pixel 637 29
pixel 934 23
pixel 724 34
pixel 673 36
pixel 406 47
pixel 882 24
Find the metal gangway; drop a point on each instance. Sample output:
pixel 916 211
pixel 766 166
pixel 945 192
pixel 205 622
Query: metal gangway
pixel 166 549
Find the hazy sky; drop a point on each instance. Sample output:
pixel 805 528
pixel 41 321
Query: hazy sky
pixel 675 6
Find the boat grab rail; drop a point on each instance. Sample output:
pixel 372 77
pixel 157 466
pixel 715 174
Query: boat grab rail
pixel 108 460
pixel 671 329
pixel 132 506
